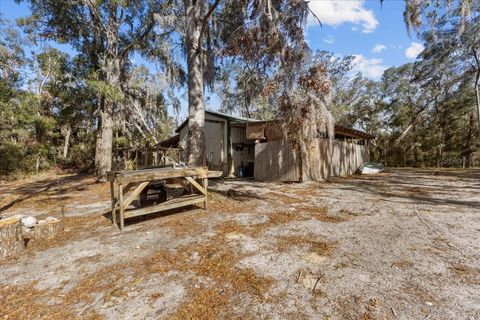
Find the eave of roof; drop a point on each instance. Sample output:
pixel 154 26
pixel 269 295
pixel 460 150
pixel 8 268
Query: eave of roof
pixel 228 117
pixel 339 129
pixel 170 142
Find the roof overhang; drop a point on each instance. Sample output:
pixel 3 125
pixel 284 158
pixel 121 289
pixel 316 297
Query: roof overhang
pixel 227 117
pixel 352 133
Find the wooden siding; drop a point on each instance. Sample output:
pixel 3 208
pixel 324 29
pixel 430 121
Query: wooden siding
pixel 277 160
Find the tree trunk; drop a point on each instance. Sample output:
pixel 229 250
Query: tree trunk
pixel 477 84
pixel 37 165
pixel 98 142
pixel 112 74
pixel 11 238
pixel 106 132
pixel 196 101
pixel 47 229
pixel 66 133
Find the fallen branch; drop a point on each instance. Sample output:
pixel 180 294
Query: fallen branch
pixel 315 285
pixel 393 312
pixel 299 276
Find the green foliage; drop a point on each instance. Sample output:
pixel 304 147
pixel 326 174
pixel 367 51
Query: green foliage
pixel 81 157
pixel 120 142
pixel 11 153
pixel 110 92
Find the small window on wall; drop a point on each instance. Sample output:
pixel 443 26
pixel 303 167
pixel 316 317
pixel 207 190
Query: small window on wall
pixel 189 133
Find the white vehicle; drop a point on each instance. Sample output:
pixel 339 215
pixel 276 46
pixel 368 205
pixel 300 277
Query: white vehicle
pixel 371 168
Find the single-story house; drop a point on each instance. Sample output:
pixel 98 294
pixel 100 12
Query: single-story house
pixel 244 147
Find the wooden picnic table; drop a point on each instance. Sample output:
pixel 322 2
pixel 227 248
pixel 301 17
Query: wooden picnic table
pixel 126 186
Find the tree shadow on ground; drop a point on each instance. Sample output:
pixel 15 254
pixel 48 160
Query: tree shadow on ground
pixel 412 188
pixel 48 186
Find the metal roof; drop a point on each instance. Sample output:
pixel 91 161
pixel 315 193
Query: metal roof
pixel 339 129
pixel 351 132
pixel 228 117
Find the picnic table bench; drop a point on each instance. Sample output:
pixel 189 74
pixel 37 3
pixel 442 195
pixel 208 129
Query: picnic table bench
pixel 126 186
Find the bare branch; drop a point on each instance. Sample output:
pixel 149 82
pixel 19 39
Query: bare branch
pixel 141 35
pixel 95 15
pixel 205 23
pixel 313 13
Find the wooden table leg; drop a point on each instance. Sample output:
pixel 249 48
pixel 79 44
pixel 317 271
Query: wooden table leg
pixel 205 186
pixel 114 202
pixel 120 203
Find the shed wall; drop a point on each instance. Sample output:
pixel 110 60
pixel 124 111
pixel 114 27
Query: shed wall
pixel 214 142
pixel 277 160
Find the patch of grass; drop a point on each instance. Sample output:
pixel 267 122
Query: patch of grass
pixel 320 247
pixel 217 263
pixel 467 274
pixel 284 199
pixel 188 224
pixel 205 303
pixel 274 219
pixel 225 204
pixel 321 214
pixel 27 302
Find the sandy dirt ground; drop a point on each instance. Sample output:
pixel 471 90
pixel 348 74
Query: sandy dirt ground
pixel 404 244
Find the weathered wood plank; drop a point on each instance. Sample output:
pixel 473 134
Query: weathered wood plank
pixel 205 186
pixel 114 202
pixel 157 174
pixel 182 182
pixel 171 204
pixel 124 180
pixel 132 196
pixel 214 174
pixel 196 185
pixel 120 201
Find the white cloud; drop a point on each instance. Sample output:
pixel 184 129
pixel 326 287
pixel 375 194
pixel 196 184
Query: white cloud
pixel 371 68
pixel 329 39
pixel 379 48
pixel 336 12
pixel 414 50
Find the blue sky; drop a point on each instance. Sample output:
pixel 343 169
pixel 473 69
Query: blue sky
pixel 375 34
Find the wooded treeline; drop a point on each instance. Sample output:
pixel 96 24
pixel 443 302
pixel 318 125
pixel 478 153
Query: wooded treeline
pixel 427 113
pixel 71 107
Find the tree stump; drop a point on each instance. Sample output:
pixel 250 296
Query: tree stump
pixel 47 229
pixel 11 238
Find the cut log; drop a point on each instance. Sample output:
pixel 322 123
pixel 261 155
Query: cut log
pixel 47 229
pixel 11 239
